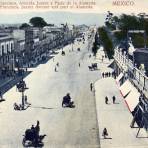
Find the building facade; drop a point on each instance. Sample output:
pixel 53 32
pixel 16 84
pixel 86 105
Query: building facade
pixel 6 56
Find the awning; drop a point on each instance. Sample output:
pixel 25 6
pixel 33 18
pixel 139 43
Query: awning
pixel 119 77
pixel 132 99
pixel 125 88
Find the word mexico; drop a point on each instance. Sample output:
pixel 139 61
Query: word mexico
pixel 123 3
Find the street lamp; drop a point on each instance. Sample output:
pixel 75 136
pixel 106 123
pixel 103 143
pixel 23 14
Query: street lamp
pixel 72 40
pixel 22 87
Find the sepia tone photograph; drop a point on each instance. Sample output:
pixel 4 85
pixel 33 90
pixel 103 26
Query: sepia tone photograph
pixel 74 74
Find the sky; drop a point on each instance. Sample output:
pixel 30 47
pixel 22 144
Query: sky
pixel 94 14
pixel 55 18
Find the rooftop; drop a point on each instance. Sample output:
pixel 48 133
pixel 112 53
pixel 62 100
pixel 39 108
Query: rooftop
pixel 142 50
pixel 4 38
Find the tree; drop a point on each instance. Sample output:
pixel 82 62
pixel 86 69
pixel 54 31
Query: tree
pixel 106 42
pixel 94 48
pixel 95 44
pixel 51 25
pixel 109 21
pixel 131 22
pixel 24 25
pixel 38 22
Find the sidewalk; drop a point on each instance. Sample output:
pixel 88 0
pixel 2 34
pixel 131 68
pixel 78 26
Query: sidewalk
pixel 116 118
pixel 9 82
pixel 103 64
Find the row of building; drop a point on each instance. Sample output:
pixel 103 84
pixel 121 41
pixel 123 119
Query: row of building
pixel 131 69
pixel 25 48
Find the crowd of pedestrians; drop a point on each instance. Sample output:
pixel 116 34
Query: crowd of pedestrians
pixel 108 74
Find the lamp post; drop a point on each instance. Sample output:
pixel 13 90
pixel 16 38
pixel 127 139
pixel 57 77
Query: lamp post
pixel 22 87
pixel 72 40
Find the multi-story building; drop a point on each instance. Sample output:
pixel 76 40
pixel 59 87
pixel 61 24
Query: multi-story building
pixel 6 56
pixel 40 41
pixel 141 58
pixel 133 84
pixel 19 46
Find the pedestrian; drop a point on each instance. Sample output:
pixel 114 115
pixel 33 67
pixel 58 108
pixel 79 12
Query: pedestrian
pixel 55 69
pixel 106 74
pixel 106 100
pixel 109 74
pixel 102 58
pixel 37 130
pixel 114 99
pixel 79 65
pixel 103 74
pixel 32 127
pixel 37 127
pixel 113 74
pixel 104 133
pixel 91 86
pixel 58 64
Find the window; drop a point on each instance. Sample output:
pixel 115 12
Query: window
pixel 7 48
pixel 11 47
pixel 2 49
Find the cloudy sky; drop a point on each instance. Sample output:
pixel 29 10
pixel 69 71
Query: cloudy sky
pixel 93 15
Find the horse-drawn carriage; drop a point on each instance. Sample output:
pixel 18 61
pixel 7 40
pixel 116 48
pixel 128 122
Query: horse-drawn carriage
pixel 32 137
pixel 63 53
pixel 93 66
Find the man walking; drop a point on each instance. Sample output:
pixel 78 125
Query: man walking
pixel 55 69
pixel 57 64
pixel 103 74
pixel 114 99
pixel 106 100
pixel 79 64
pixel 91 86
pixel 104 133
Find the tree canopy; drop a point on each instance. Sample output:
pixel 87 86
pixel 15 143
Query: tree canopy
pixel 95 44
pixel 38 22
pixel 126 22
pixel 106 42
pixel 24 25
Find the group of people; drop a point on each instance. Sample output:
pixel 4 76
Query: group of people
pixel 105 132
pixel 113 100
pixel 108 74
